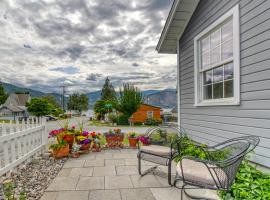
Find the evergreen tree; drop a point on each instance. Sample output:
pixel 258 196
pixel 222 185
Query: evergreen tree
pixel 108 92
pixel 3 95
pixel 78 102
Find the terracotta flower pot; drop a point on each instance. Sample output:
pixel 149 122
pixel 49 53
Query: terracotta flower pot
pixel 61 152
pixel 115 141
pixel 133 142
pixel 96 148
pixel 75 155
pixel 85 147
pixel 69 139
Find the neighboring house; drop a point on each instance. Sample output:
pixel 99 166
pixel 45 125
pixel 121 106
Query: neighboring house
pixel 15 106
pixel 145 112
pixel 223 69
pixel 168 115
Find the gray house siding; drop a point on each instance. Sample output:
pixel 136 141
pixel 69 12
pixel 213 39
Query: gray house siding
pixel 252 116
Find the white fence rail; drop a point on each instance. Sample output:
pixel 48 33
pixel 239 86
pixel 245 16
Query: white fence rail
pixel 19 141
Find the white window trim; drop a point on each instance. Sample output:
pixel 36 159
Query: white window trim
pixel 152 114
pixel 234 14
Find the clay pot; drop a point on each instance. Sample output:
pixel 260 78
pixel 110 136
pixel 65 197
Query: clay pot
pixel 96 148
pixel 85 147
pixel 133 142
pixel 69 139
pixel 115 141
pixel 61 152
pixel 75 155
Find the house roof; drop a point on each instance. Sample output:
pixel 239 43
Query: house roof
pixel 178 18
pixel 150 105
pixel 12 108
pixel 17 99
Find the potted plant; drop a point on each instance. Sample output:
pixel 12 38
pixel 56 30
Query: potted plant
pixel 84 140
pixel 60 150
pixel 132 139
pixel 145 140
pixel 96 147
pixel 75 152
pixel 114 138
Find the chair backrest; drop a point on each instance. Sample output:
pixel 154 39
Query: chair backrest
pixel 236 149
pixel 164 134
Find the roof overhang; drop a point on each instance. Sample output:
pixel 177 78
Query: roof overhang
pixel 178 18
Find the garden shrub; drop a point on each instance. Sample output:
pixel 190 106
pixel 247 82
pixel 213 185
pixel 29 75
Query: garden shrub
pixel 138 123
pixel 122 120
pixel 152 122
pixel 249 184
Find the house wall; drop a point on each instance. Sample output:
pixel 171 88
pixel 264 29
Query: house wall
pixel 141 114
pixel 252 116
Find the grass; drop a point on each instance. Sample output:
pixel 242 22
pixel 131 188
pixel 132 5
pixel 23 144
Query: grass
pixel 108 124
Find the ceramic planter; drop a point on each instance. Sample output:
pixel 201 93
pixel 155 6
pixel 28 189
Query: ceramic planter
pixel 133 142
pixel 61 152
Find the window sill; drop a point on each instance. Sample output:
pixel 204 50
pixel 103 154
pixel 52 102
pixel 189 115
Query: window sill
pixel 227 102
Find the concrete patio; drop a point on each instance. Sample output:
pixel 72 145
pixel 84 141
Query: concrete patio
pixel 108 175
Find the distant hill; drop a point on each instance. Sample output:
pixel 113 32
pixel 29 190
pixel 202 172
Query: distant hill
pixel 162 98
pixel 165 98
pixel 9 88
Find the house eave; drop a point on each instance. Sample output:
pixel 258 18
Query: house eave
pixel 177 20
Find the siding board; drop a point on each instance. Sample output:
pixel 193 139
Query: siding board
pixel 252 117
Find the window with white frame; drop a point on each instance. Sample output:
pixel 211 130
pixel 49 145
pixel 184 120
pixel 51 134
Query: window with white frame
pixel 217 62
pixel 150 114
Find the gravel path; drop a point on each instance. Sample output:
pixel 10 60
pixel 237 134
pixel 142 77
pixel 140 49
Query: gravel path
pixel 34 177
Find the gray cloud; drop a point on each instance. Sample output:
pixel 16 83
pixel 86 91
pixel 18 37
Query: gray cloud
pixel 52 41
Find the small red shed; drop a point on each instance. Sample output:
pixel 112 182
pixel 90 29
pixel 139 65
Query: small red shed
pixel 144 112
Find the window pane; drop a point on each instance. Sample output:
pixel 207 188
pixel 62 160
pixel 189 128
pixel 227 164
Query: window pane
pixel 227 49
pixel 228 89
pixel 205 59
pixel 207 91
pixel 208 77
pixel 205 44
pixel 218 74
pixel 218 90
pixel 215 55
pixel 215 39
pixel 227 31
pixel 228 71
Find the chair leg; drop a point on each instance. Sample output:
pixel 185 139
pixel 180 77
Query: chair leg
pixel 170 172
pixel 139 164
pixel 182 191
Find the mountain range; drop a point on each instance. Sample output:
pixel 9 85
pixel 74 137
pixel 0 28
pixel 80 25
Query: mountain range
pixel 161 98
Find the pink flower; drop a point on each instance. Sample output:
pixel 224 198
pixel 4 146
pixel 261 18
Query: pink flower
pixel 73 127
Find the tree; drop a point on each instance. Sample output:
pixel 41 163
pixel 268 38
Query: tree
pixel 108 92
pixel 56 109
pixel 129 100
pixel 102 107
pixel 78 102
pixel 52 100
pixel 39 107
pixel 3 95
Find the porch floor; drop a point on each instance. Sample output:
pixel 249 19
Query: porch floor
pixel 109 175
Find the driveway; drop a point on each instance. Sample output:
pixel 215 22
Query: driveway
pixel 75 121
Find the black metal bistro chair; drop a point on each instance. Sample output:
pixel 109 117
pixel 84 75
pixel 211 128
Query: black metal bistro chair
pixel 211 174
pixel 162 149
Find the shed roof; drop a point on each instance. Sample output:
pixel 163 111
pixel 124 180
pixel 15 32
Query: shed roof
pixel 178 18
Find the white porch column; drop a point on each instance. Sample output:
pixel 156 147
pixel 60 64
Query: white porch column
pixel 178 85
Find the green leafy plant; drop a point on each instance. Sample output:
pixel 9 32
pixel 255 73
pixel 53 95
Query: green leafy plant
pixel 132 135
pixel 59 145
pixel 9 191
pixel 249 184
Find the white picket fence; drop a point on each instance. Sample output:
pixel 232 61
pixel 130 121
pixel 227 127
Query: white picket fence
pixel 20 141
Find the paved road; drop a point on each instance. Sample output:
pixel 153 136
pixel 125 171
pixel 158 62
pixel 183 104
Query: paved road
pixel 75 121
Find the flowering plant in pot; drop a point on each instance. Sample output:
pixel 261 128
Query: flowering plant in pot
pixel 132 139
pixel 96 147
pixel 144 139
pixel 114 138
pixel 75 152
pixel 84 140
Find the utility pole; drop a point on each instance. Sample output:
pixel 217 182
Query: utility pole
pixel 63 96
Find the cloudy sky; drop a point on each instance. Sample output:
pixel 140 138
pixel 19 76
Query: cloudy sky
pixel 47 43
